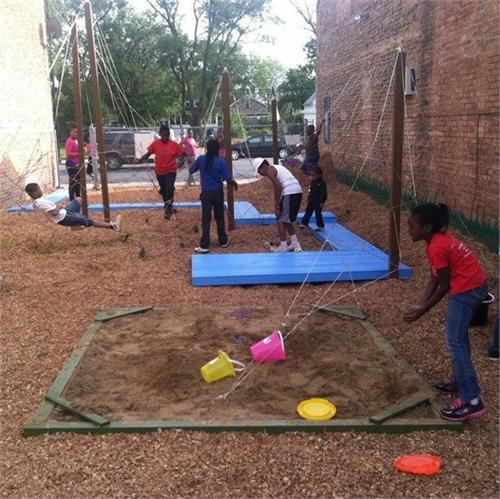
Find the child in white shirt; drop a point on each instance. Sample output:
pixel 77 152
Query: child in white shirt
pixel 69 215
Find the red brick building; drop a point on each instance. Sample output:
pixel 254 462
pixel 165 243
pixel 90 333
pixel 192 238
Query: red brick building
pixel 451 126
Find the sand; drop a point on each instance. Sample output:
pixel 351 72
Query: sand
pixel 147 367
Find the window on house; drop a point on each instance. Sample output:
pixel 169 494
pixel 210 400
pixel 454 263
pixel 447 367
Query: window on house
pixel 410 81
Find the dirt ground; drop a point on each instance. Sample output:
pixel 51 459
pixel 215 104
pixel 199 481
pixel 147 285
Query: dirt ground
pixel 147 367
pixel 55 280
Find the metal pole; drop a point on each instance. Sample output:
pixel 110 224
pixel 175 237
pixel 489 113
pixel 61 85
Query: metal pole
pixel 274 115
pixel 77 90
pixel 397 164
pixel 226 109
pixel 96 97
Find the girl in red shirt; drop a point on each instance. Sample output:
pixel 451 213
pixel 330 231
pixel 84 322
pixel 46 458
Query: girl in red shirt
pixel 454 271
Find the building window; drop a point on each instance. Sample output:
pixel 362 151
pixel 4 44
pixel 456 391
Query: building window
pixel 410 81
pixel 327 103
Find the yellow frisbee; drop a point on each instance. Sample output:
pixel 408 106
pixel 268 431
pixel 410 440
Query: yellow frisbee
pixel 316 409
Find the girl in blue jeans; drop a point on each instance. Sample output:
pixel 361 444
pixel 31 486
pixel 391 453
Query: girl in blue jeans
pixel 454 271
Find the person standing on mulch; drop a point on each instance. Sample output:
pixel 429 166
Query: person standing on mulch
pixel 73 163
pixel 69 215
pixel 287 199
pixel 166 152
pixel 213 171
pixel 191 148
pixel 454 270
pixel 311 146
pixel 316 199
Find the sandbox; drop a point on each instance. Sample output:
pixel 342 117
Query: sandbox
pixel 139 370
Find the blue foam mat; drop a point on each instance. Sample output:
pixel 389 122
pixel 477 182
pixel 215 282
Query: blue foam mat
pixel 56 197
pixel 289 268
pixel 245 213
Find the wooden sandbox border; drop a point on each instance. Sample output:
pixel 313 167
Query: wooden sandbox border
pixel 385 421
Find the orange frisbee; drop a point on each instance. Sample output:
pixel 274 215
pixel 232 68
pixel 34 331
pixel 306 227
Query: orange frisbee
pixel 419 464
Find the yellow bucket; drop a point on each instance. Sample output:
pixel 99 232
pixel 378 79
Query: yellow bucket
pixel 220 367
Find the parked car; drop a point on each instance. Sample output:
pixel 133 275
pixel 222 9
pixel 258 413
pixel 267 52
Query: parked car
pixel 123 145
pixel 260 145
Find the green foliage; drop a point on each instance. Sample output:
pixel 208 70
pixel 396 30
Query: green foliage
pixel 159 67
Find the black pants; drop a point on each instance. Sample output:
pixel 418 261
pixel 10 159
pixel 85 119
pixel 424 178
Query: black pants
pixel 215 200
pixel 315 207
pixel 74 180
pixel 167 188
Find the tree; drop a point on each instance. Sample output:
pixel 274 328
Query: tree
pixel 197 62
pixel 136 87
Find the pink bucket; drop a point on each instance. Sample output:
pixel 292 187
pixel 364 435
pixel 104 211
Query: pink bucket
pixel 269 349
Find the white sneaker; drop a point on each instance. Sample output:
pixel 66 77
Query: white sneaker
pixel 199 249
pixel 275 249
pixel 294 247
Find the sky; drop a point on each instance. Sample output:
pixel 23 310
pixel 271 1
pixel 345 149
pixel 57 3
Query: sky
pixel 288 38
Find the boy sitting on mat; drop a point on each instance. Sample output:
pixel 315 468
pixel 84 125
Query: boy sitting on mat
pixel 69 215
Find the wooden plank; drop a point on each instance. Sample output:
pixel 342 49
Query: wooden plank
pixel 46 407
pixel 349 311
pixel 397 409
pixel 66 405
pixel 122 313
pixel 69 368
pixel 273 426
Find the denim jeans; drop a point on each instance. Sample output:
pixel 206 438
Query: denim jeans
pixel 315 207
pixel 73 170
pixel 167 188
pixel 73 216
pixel 461 308
pixel 212 200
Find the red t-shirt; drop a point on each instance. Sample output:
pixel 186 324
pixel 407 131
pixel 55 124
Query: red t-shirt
pixel 165 154
pixel 72 150
pixel 466 273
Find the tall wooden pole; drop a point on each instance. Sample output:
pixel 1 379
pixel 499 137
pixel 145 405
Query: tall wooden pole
pixel 397 164
pixel 226 109
pixel 274 116
pixel 77 90
pixel 96 97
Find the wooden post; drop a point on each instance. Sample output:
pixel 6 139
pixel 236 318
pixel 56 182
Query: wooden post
pixel 77 90
pixel 397 163
pixel 226 109
pixel 96 97
pixel 274 116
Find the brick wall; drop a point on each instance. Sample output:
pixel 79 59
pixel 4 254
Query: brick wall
pixel 451 127
pixel 27 150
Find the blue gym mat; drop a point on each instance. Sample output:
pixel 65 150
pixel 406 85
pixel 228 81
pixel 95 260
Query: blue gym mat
pixel 56 197
pixel 245 213
pixel 345 257
pixel 289 268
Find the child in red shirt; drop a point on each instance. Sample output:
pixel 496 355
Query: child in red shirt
pixel 166 152
pixel 457 272
pixel 73 164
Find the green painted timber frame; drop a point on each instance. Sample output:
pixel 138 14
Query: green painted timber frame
pixel 387 420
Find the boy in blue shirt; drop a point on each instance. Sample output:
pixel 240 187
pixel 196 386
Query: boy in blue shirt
pixel 213 172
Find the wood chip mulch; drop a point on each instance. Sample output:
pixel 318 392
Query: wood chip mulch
pixel 54 280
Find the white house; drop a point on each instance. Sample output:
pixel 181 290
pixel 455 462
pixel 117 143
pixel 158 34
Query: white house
pixel 310 110
pixel 27 138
